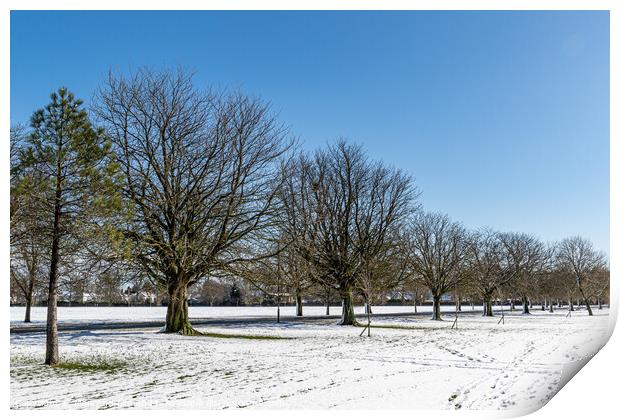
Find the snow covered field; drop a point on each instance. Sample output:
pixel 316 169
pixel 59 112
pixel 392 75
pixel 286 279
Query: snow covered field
pixel 145 313
pixel 417 363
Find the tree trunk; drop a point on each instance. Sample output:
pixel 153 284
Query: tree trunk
pixel 52 357
pixel 526 306
pixel 570 305
pixel 551 306
pixel 177 315
pixel 512 305
pixel 436 308
pixel 588 307
pixel 28 306
pixel 29 294
pixel 587 301
pixel 487 306
pixel 299 305
pixel 600 304
pixel 348 314
pixel 327 302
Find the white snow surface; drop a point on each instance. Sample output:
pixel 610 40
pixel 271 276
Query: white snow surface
pixel 515 366
pixel 144 313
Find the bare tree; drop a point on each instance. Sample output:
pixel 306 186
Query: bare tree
pixel 213 291
pixel 28 239
pixel 295 273
pixel 526 259
pixel 581 260
pixel 386 272
pixel 600 285
pixel 27 269
pixel 482 266
pixel 348 206
pixel 437 247
pixel 109 287
pixel 201 176
pixel 551 286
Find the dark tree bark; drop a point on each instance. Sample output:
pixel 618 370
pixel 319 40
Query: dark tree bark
pixel 299 305
pixel 177 313
pixel 526 306
pixel 327 290
pixel 588 307
pixel 28 306
pixel 436 308
pixel 51 344
pixel 488 306
pixel 29 295
pixel 348 313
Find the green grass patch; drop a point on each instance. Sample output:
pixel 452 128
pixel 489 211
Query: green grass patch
pixel 92 366
pixel 245 336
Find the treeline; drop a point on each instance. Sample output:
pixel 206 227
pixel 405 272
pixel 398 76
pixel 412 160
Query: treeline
pixel 166 188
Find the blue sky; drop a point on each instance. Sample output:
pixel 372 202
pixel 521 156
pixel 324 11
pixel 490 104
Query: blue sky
pixel 502 117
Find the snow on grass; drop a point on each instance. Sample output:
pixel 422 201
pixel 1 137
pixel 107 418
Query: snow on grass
pixel 145 313
pixel 518 365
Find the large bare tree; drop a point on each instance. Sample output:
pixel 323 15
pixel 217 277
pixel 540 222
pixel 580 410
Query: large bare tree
pixel 345 209
pixel 579 258
pixel 201 177
pixel 527 259
pixel 436 252
pixel 487 267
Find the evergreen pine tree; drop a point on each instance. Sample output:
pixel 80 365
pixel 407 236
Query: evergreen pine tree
pixel 73 161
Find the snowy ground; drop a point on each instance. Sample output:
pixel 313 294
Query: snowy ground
pixel 422 364
pixel 145 313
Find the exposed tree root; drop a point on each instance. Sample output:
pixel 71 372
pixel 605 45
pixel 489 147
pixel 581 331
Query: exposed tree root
pixel 186 329
pixel 353 324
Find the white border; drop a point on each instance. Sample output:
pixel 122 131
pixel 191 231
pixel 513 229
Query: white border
pixel 593 392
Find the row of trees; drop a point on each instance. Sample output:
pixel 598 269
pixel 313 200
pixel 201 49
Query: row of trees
pixel 163 182
pixel 353 226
